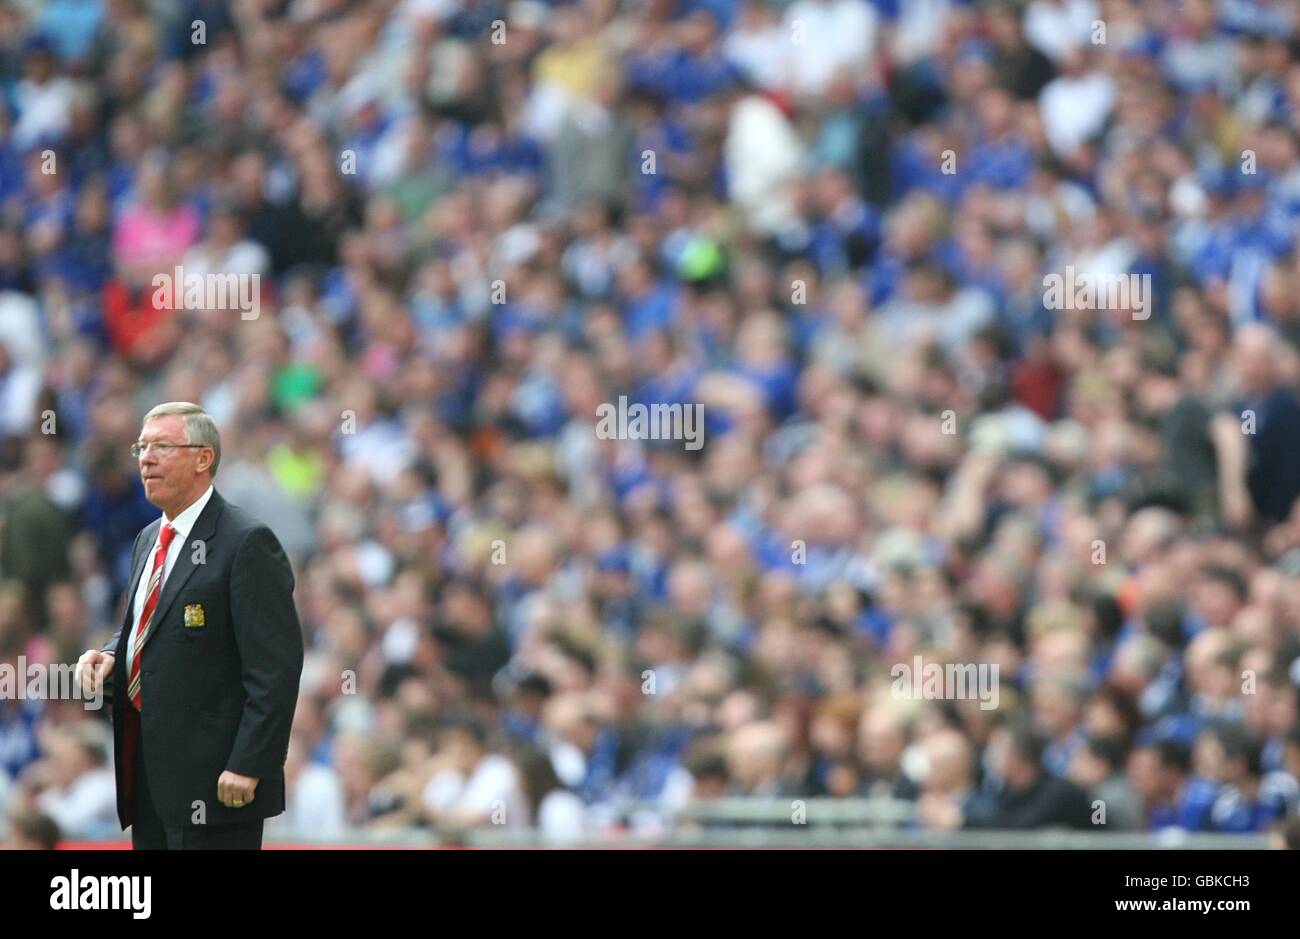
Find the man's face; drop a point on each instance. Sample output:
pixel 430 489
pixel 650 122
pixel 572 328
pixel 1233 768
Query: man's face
pixel 1144 773
pixel 169 475
pixel 39 66
pixel 1253 361
pixel 1018 770
pixel 67 760
pixel 1209 758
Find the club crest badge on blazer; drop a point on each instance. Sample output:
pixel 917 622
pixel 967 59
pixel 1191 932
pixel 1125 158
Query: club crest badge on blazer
pixel 194 616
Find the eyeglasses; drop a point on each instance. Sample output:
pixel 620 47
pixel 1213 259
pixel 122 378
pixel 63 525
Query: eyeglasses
pixel 163 449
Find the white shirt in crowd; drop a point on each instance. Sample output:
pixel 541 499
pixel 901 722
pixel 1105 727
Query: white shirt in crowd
pixel 492 787
pixel 21 331
pixel 828 35
pixel 1055 27
pixel 86 808
pixel 315 805
pixel 1074 109
pixel 20 389
pixel 44 110
pixel 243 257
pixel 561 817
pixel 919 30
pixel 762 53
pixel 763 154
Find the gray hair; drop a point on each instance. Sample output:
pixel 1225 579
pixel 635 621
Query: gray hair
pixel 200 428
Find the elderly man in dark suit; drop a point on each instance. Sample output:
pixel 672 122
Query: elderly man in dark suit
pixel 204 669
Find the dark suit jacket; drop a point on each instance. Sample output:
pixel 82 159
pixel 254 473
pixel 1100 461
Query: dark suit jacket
pixel 220 696
pixel 1051 802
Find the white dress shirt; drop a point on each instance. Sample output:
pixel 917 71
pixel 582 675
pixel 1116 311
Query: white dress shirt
pixel 86 807
pixel 183 523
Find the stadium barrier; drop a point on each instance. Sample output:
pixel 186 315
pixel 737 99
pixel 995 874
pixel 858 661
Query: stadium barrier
pixel 757 823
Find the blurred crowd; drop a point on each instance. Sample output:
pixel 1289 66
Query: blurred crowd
pixel 829 223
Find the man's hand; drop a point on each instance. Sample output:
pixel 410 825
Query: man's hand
pixel 93 668
pixel 235 791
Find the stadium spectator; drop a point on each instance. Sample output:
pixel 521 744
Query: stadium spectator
pixel 1098 766
pixel 949 794
pixel 73 784
pixel 1030 796
pixel 29 830
pixel 557 814
pixel 314 801
pixel 831 224
pixel 1172 797
pixel 471 786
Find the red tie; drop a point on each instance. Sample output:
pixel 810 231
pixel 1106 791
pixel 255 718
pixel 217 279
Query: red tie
pixel 146 614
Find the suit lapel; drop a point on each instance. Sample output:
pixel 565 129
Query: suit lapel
pixel 128 618
pixel 137 571
pixel 204 527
